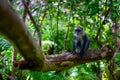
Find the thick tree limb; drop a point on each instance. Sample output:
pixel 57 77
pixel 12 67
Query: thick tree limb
pixel 67 60
pixel 15 31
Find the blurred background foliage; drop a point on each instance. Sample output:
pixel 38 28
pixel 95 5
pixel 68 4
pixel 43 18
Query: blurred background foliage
pixel 56 20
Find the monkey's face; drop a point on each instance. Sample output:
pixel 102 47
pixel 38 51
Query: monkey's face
pixel 78 31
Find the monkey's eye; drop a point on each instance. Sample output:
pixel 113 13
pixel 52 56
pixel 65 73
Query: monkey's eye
pixel 78 30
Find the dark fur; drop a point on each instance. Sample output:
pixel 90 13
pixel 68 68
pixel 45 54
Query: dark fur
pixel 81 42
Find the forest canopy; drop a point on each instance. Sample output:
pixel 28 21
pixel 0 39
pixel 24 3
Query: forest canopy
pixel 41 33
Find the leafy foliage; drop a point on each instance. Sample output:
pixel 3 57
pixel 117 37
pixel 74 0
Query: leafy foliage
pixel 4 45
pixel 56 20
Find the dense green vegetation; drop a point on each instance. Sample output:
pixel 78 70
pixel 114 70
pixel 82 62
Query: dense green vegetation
pixel 56 20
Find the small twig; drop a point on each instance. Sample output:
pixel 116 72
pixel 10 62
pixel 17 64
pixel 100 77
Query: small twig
pixel 34 23
pixel 52 30
pixel 115 27
pixel 14 53
pixel 25 11
pixel 66 36
pixel 58 20
pixel 103 22
pixel 43 16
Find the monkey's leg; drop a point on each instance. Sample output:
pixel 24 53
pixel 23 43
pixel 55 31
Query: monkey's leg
pixel 74 47
pixel 84 48
pixel 81 50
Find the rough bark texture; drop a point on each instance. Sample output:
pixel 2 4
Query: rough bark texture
pixel 15 31
pixel 67 60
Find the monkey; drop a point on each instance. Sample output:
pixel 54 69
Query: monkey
pixel 80 42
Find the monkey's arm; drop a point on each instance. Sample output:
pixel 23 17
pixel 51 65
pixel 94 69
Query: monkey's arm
pixel 81 49
pixel 83 45
pixel 74 46
pixel 87 45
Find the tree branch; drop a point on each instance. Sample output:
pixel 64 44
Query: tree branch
pixel 34 23
pixel 67 60
pixel 15 31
